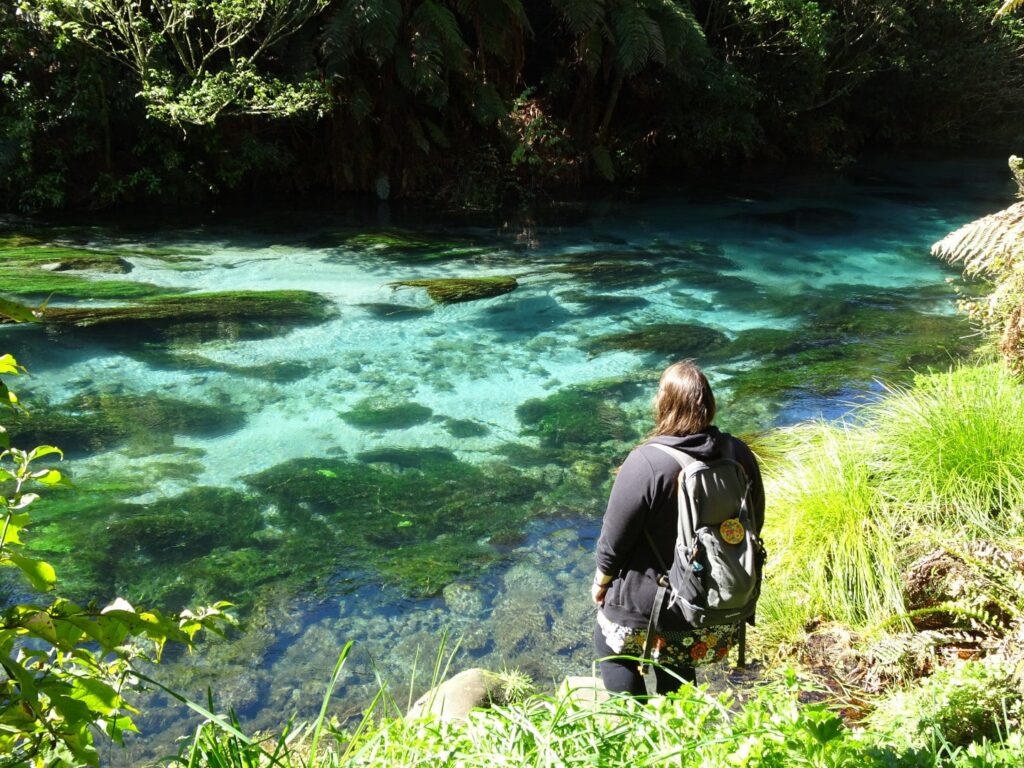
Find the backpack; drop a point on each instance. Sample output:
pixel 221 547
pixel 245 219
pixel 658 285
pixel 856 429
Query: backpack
pixel 715 575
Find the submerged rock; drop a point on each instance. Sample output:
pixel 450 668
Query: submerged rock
pixel 452 290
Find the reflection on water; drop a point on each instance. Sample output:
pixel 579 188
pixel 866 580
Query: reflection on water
pixel 380 467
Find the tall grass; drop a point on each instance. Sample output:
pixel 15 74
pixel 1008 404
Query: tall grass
pixel 951 449
pixel 832 549
pixel 689 729
pixel 941 461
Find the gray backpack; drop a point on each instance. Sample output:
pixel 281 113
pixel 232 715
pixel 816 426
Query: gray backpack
pixel 715 575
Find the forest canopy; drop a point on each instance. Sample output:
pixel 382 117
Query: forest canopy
pixel 112 102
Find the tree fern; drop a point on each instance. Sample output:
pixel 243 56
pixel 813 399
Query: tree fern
pixel 580 16
pixel 630 26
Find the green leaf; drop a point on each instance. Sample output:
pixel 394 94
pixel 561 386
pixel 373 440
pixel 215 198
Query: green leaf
pixel 8 365
pixel 14 524
pixel 96 695
pixel 50 477
pixel 44 450
pixel 17 312
pixel 39 573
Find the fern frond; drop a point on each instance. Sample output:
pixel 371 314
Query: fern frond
pixel 1009 7
pixel 580 16
pixel 629 25
pixel 987 244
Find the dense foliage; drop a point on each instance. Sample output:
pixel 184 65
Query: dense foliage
pixel 474 101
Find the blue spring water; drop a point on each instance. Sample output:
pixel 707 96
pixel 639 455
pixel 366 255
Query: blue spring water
pixel 780 255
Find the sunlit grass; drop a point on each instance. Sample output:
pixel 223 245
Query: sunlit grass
pixel 941 461
pixel 832 547
pixel 952 450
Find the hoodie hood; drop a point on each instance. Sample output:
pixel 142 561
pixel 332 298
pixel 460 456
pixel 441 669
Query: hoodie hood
pixel 702 445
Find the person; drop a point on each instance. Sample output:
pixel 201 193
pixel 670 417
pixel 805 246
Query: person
pixel 642 515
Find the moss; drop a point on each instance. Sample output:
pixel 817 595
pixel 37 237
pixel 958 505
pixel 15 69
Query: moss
pixel 32 268
pixel 30 253
pixel 671 340
pixel 465 428
pixel 376 414
pixel 575 416
pixel 289 307
pixel 452 290
pixel 93 423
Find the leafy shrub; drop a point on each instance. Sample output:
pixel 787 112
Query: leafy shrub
pixel 957 705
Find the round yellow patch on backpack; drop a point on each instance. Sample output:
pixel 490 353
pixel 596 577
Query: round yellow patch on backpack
pixel 732 531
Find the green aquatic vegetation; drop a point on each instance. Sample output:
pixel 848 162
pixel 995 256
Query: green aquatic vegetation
pixel 669 340
pixel 92 423
pixel 174 549
pixel 419 458
pixel 464 428
pixel 379 414
pixel 627 272
pixel 34 254
pixel 452 290
pixel 284 307
pixel 435 510
pixel 35 269
pixel 594 304
pixel 576 416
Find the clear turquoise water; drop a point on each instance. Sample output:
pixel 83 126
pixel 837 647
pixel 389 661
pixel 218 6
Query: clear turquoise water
pixel 474 514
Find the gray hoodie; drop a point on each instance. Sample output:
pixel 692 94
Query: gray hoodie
pixel 643 498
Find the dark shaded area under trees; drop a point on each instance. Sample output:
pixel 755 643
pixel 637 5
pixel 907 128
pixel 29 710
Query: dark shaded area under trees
pixel 476 102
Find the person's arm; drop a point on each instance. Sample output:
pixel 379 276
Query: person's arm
pixel 624 519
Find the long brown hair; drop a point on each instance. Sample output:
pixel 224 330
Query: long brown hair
pixel 684 404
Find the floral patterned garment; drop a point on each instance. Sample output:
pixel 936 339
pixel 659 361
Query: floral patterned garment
pixel 684 648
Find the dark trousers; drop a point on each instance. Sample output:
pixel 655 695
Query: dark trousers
pixel 623 675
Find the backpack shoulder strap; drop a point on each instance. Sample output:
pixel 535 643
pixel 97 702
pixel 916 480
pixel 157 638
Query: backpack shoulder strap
pixel 683 459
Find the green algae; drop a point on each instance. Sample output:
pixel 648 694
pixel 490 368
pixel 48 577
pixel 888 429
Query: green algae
pixel 198 546
pixel 417 523
pixel 452 290
pixel 576 416
pixel 418 458
pixel 377 414
pixel 93 423
pixel 674 340
pixel 287 307
pixel 31 268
